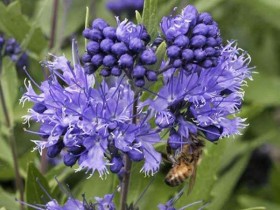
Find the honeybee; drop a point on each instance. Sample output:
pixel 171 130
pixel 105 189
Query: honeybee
pixel 184 164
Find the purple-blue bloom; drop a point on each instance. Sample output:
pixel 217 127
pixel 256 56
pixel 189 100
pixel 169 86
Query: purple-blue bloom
pixel 105 203
pixel 119 50
pixel 91 123
pixel 203 101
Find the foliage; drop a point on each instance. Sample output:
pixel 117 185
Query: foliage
pixel 219 176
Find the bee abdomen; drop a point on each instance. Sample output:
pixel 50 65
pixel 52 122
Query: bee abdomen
pixel 175 178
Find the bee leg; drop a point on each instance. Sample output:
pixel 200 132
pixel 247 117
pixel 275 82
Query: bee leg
pixel 170 156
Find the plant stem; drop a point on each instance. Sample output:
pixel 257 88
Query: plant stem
pixel 128 163
pixel 54 20
pixel 12 141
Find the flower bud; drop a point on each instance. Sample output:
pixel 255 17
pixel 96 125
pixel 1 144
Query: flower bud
pixel 177 63
pixel 136 45
pixel 190 13
pixel 76 150
pixel 86 58
pixel 138 71
pixel 148 57
pixel 97 59
pixel 199 55
pixel 105 72
pixel 39 107
pixel 198 41
pixel 173 51
pixel 86 33
pixel 188 54
pixel 93 47
pixel 70 160
pixel 212 132
pixel 119 48
pixel 117 164
pixel 135 155
pixel 116 71
pixel 140 82
pixel 106 45
pixel 109 32
pixel 89 68
pixel 174 140
pixel 151 75
pixel 95 35
pixel 181 41
pixel 109 60
pixel 200 29
pixel 55 149
pixel 99 24
pixel 206 18
pixel 126 61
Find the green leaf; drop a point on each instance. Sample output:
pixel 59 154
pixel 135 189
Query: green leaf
pixel 150 18
pixel 227 182
pixel 138 17
pixel 16 25
pixel 60 171
pixel 152 196
pixel 5 152
pixel 206 174
pixel 264 84
pixel 8 201
pixel 93 186
pixel 247 201
pixel 70 18
pixel 206 5
pixel 236 164
pixel 9 84
pixel 33 192
pixel 160 53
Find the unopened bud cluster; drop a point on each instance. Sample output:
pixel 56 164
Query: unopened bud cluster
pixel 11 48
pixel 119 50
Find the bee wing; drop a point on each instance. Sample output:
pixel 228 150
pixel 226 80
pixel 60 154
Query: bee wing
pixel 192 179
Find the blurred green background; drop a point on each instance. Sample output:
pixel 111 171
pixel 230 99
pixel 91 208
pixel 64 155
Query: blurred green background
pixel 238 173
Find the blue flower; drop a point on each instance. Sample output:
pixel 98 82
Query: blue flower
pixel 204 101
pixel 105 203
pixel 91 123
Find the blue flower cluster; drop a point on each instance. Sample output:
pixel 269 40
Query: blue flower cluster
pixel 97 125
pixel 119 7
pixel 11 48
pixel 193 39
pixel 92 122
pixel 74 204
pixel 204 101
pixel 118 50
